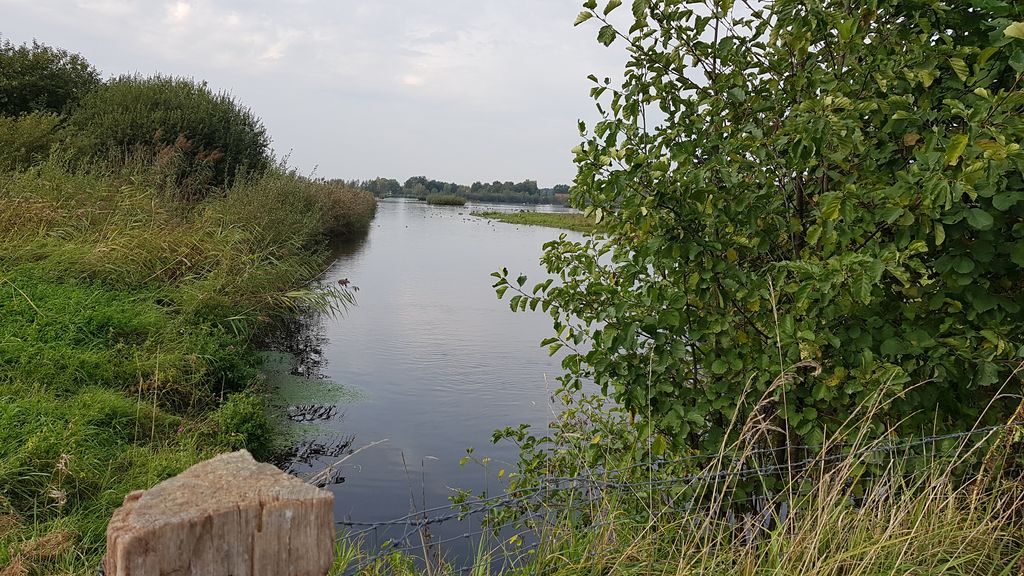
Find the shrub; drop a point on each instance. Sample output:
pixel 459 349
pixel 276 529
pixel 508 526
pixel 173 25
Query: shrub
pixel 833 209
pixel 27 139
pixel 40 78
pixel 178 123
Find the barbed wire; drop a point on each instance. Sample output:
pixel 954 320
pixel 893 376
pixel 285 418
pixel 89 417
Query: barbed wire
pixel 598 483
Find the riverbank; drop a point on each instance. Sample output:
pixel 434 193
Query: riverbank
pixel 127 323
pixel 564 220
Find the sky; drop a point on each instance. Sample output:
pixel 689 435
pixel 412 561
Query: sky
pixel 455 90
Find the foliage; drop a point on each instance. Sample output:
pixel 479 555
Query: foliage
pixel 445 200
pixel 175 122
pixel 564 220
pixel 807 203
pixel 41 78
pixel 27 139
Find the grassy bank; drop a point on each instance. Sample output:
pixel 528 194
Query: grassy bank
pixel 127 319
pixel 563 220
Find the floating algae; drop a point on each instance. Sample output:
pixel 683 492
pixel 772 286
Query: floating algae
pixel 302 401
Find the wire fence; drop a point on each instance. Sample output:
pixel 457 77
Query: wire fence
pixel 517 516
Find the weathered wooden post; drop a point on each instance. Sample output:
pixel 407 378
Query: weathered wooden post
pixel 228 516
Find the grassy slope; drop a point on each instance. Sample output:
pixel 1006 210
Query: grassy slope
pixel 564 220
pixel 125 322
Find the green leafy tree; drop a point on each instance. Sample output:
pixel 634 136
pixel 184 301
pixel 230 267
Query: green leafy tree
pixel 826 191
pixel 39 78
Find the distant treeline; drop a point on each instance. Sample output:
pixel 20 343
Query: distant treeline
pixel 525 192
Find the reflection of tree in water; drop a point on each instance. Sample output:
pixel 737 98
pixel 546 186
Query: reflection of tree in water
pixel 308 452
pixel 302 339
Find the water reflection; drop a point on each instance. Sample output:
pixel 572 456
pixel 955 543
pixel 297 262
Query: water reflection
pixel 437 361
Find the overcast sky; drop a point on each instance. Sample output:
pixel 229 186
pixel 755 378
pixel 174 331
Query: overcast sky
pixel 458 90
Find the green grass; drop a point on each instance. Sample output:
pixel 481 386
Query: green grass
pixel 445 200
pixel 127 322
pixel 563 220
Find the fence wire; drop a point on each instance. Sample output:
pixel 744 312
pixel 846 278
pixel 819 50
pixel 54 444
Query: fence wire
pixel 532 506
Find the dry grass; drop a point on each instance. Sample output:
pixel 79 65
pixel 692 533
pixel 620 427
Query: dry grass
pixel 48 546
pixel 16 567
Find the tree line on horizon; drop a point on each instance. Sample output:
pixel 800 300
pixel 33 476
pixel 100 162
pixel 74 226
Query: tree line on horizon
pixel 525 192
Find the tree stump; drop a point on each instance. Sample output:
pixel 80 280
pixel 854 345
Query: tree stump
pixel 228 516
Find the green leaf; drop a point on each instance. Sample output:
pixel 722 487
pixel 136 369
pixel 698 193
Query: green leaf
pixel 890 347
pixel 987 374
pixel 521 280
pixel 957 145
pixel 583 17
pixel 719 366
pixel 964 265
pixel 606 35
pixel 1006 200
pixel 501 292
pixel 639 8
pixel 1015 30
pixel 590 4
pixel 658 446
pixel 831 203
pixel 612 5
pixel 940 233
pixel 862 288
pixel 960 67
pixel 979 219
pixel 1017 253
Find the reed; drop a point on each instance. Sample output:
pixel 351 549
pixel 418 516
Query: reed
pixel 445 200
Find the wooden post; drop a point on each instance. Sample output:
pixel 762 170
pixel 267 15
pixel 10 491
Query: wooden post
pixel 228 516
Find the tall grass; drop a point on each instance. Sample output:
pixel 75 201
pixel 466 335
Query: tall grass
pixel 848 508
pixel 445 200
pixel 127 319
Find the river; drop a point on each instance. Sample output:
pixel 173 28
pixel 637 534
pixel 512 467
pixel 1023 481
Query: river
pixel 431 360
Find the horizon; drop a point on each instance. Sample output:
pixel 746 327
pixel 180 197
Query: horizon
pixel 462 92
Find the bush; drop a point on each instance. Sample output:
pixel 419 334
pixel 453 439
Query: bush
pixel 39 78
pixel 836 210
pixel 27 139
pixel 177 123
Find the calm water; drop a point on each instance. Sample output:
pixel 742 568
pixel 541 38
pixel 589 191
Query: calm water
pixel 439 361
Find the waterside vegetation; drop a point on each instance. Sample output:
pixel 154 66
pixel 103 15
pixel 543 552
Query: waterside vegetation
pixel 563 220
pixel 445 200
pixel 819 243
pixel 144 252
